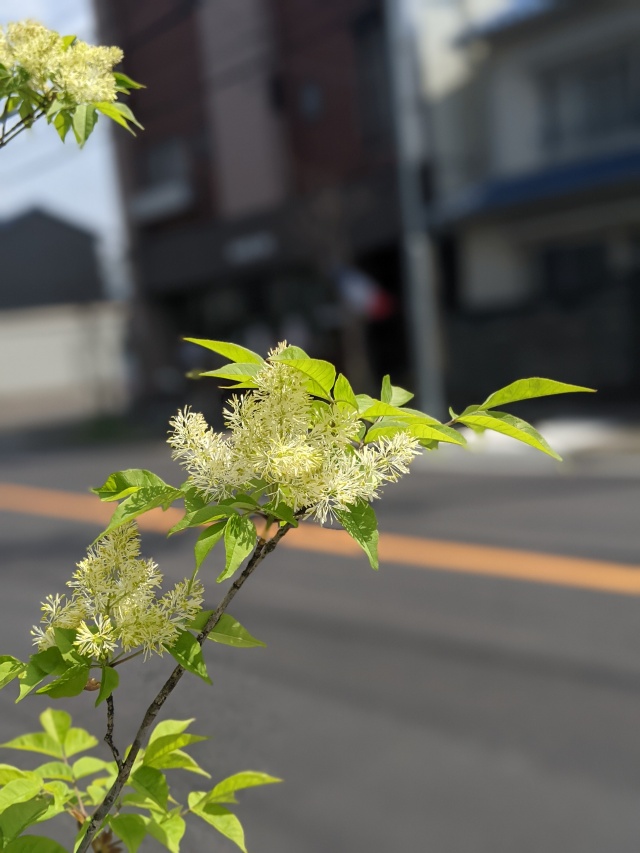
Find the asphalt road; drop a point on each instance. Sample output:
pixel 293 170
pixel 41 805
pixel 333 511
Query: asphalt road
pixel 406 710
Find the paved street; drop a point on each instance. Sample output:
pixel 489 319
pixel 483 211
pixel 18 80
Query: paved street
pixel 407 710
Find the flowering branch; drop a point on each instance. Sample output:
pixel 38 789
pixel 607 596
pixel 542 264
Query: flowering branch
pixel 262 550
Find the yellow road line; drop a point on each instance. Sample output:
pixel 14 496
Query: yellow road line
pixel 435 554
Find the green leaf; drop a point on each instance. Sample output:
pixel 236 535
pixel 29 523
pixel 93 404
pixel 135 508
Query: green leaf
pixel 399 396
pixel 378 409
pixel 292 352
pixel 84 120
pixel 19 816
pixel 120 113
pixel 55 770
pixel 19 791
pixel 170 727
pixel 130 828
pixel 239 541
pixel 48 662
pixel 223 791
pixel 36 742
pixel 140 502
pixel 71 683
pixel 321 373
pixel 78 740
pixel 8 773
pixel 205 515
pixel 88 765
pixel 189 655
pixel 282 512
pixel 526 389
pixel 343 392
pixel 242 373
pixel 509 425
pixel 230 632
pixel 179 760
pixel 385 391
pixel 121 484
pixel 207 540
pixel 10 668
pixel 360 522
pixel 56 723
pixel 168 831
pixel 34 844
pixel 62 123
pixel 221 819
pixel 151 783
pixel 108 683
pixel 157 751
pixel 231 351
pixel 65 638
pixel 126 82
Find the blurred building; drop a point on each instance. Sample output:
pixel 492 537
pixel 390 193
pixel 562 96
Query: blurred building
pixel 262 192
pixel 61 342
pixel 534 114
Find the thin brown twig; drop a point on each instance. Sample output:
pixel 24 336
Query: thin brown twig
pixel 262 550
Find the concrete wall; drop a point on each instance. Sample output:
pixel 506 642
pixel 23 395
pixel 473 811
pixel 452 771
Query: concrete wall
pixel 494 270
pixel 61 363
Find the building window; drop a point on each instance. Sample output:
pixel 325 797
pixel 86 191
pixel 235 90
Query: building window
pixel 571 273
pixel 372 67
pixel 593 101
pixel 310 101
pixel 166 162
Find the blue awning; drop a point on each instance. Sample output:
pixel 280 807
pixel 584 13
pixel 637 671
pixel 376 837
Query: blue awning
pixel 595 174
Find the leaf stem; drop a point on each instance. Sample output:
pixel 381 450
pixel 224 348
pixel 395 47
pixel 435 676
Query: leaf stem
pixel 262 550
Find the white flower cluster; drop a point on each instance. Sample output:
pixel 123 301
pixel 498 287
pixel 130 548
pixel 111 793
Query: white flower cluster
pixel 114 602
pixel 81 71
pixel 302 451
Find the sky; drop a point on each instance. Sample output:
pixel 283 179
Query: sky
pixel 38 170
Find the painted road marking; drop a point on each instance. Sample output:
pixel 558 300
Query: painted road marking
pixel 433 554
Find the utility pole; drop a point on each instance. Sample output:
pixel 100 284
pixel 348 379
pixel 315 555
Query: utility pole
pixel 420 286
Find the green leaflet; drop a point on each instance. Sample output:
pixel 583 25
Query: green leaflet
pixel 230 632
pixel 34 844
pixel 163 746
pixel 360 522
pixel 78 740
pixel 168 831
pixel 321 373
pixel 17 818
pixel 85 117
pixel 121 484
pixel 169 727
pixel 140 502
pixel 130 828
pixel 526 389
pixel 221 819
pixel 343 392
pixel 36 742
pixel 19 791
pixel 244 374
pixel 48 662
pixel 509 425
pixel 71 683
pixel 108 683
pixel 88 765
pixel 151 783
pixel 8 773
pixel 239 541
pixel 10 668
pixel 224 791
pixel 231 351
pixel 56 724
pixel 207 540
pixel 189 655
